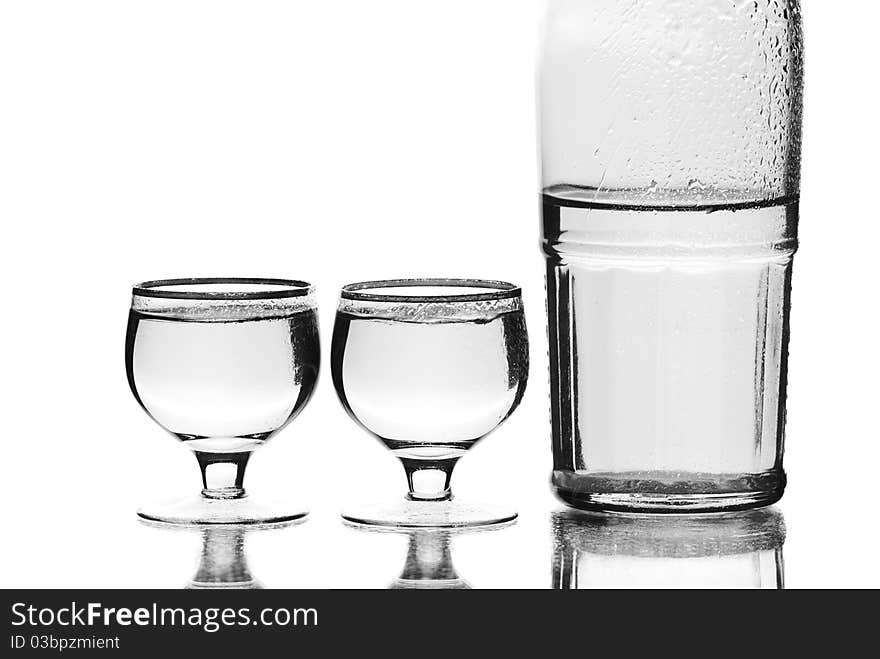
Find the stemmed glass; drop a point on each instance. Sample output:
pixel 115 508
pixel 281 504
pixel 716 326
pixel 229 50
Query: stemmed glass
pixel 223 365
pixel 430 367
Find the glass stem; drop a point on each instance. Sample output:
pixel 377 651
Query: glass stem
pixel 429 480
pixel 223 474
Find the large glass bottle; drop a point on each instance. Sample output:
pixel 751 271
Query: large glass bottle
pixel 670 149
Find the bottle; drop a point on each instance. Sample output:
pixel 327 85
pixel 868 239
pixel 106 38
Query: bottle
pixel 670 158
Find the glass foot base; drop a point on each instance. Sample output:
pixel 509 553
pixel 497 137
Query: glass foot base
pixel 201 511
pixel 407 514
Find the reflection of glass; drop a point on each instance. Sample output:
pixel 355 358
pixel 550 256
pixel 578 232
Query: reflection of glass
pixel 737 550
pixel 223 365
pixel 429 564
pixel 430 367
pixel 223 563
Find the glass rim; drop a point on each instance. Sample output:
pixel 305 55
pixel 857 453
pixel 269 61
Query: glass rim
pixel 499 290
pixel 158 288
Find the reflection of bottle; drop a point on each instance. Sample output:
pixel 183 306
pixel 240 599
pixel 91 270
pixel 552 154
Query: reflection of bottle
pixel 737 550
pixel 223 563
pixel 670 134
pixel 429 564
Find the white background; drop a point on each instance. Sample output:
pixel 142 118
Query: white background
pixel 337 141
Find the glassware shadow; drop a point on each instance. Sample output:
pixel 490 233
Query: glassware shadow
pixel 428 564
pixel 223 561
pixel 735 550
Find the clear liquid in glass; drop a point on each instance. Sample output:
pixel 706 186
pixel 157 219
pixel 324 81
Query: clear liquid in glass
pixel 223 386
pixel 430 390
pixel 669 339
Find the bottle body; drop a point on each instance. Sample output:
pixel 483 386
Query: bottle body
pixel 670 172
